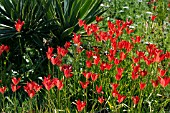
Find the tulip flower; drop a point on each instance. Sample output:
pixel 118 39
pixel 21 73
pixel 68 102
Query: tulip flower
pixel 18 25
pixel 80 105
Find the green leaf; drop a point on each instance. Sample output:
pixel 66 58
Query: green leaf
pixel 74 11
pixel 59 11
pixel 85 7
pixel 67 32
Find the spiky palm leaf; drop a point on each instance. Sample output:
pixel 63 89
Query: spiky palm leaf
pixel 67 13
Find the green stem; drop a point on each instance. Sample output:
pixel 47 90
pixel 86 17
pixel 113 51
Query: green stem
pixel 30 105
pixel 3 103
pixel 15 104
pixel 65 93
pixel 49 69
pixel 140 103
pixel 86 97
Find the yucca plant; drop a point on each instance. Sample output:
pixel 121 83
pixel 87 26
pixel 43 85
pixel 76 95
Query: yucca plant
pixel 44 22
pixel 25 43
pixel 66 14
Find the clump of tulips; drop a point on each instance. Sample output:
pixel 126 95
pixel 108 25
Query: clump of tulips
pixel 114 69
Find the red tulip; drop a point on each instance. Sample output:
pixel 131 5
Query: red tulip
pixel 88 63
pixel 15 81
pixel 114 46
pixel 61 51
pixel 31 93
pixel 114 86
pixel 67 45
pixel 140 54
pixel 87 75
pixel 115 93
pixel 111 26
pixel 128 23
pixel 110 57
pixel 134 76
pixel 98 89
pixel 98 19
pixel 164 81
pixel 3 89
pixel 112 52
pixel 121 98
pixel 32 87
pixel 14 87
pixel 155 83
pixel 56 61
pixel 143 73
pixel 76 39
pixel 18 25
pixel 135 60
pixel 108 66
pixel 48 83
pixel 120 71
pixel 97 37
pixel 67 73
pixel 135 99
pixel 96 60
pixel 6 48
pixel 129 31
pixel 147 61
pixel 94 28
pixel 103 36
pixel 37 87
pixel 142 85
pixel 101 100
pixel 137 40
pixel 84 84
pixel 167 55
pixel 96 49
pixel 49 52
pixel 158 57
pixel 136 68
pixel 89 54
pixel 80 105
pixel 94 76
pixel 81 22
pixel 122 55
pixel 88 29
pixel 118 76
pixel 116 61
pixel 118 22
pixel 102 66
pixel 153 17
pixel 58 83
pixel 162 72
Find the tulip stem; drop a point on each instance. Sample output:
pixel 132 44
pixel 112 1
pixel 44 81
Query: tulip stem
pixel 86 99
pixel 15 104
pixel 3 104
pixel 30 102
pixel 49 66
